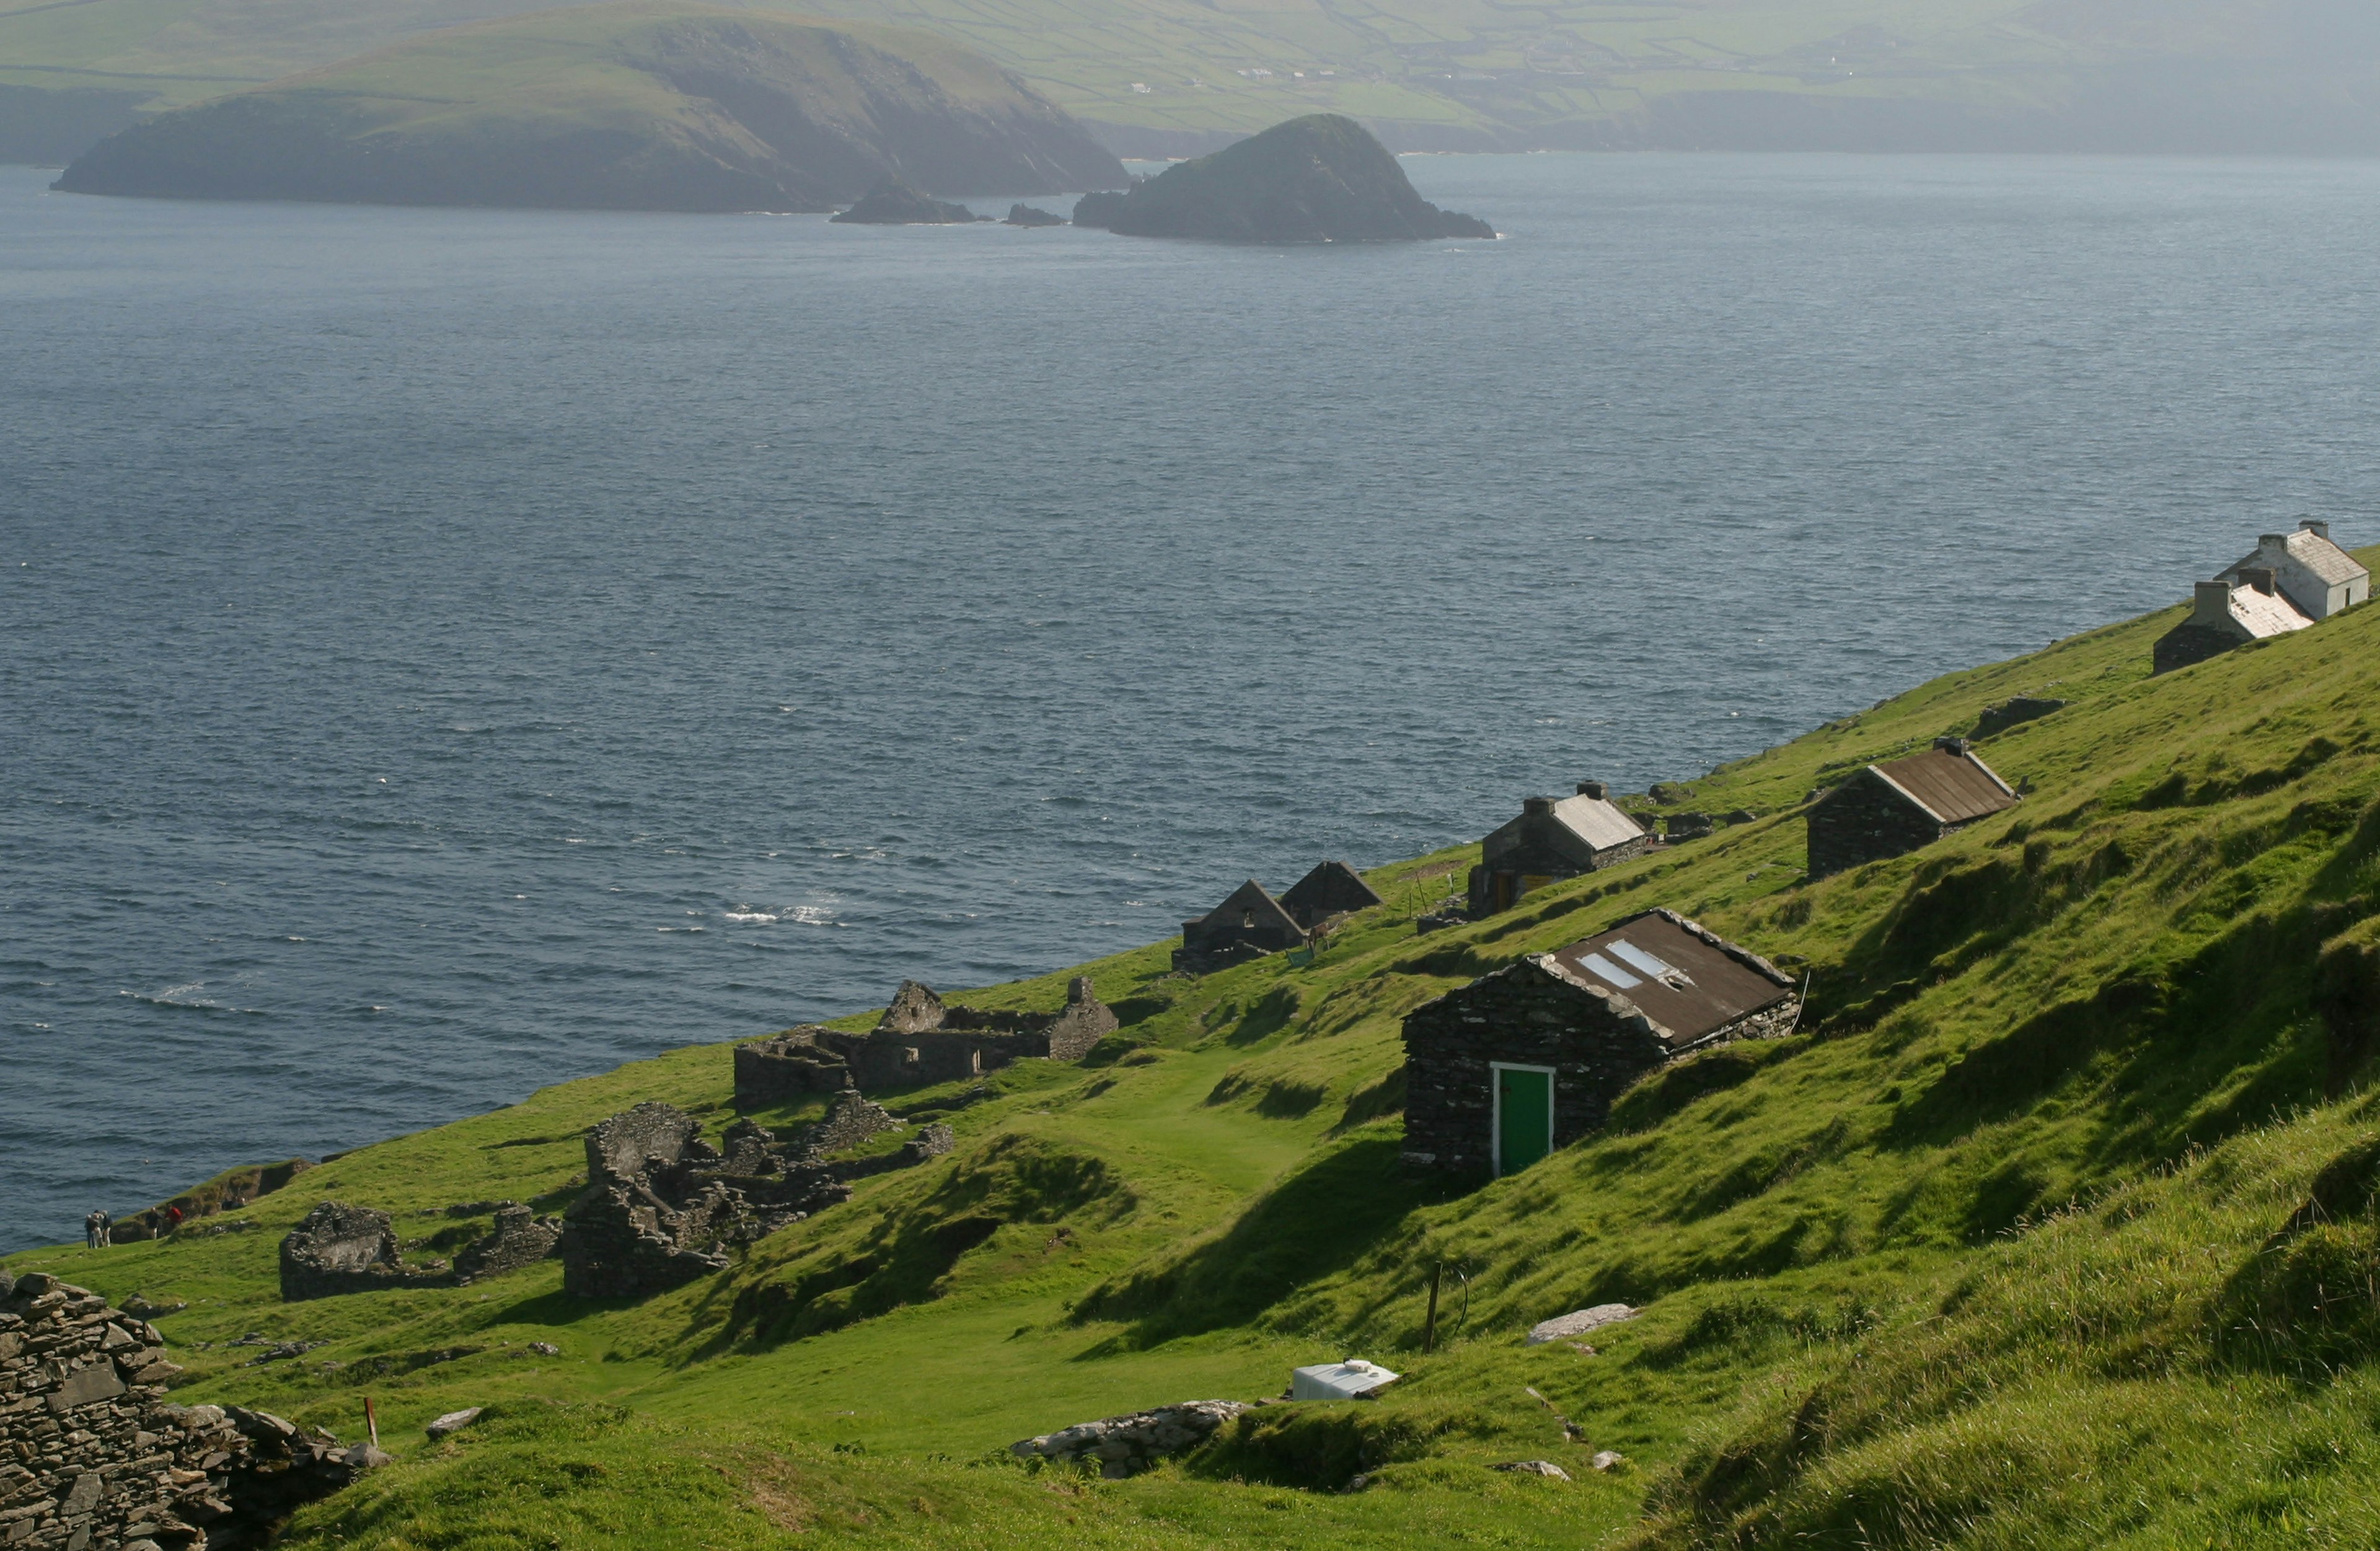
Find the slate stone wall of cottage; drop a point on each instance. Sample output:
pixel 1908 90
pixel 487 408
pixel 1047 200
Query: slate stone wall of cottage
pixel 1866 820
pixel 517 1239
pixel 338 1249
pixel 93 1459
pixel 1525 1015
pixel 788 1068
pixel 921 1041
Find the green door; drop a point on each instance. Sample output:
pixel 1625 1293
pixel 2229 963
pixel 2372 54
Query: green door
pixel 1525 1116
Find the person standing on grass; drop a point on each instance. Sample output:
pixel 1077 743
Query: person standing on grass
pixel 91 1231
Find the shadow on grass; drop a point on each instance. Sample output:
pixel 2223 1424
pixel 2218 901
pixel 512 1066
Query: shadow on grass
pixel 1316 1222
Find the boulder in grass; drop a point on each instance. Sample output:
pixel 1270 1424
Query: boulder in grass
pixel 452 1422
pixel 1545 1468
pixel 1564 1326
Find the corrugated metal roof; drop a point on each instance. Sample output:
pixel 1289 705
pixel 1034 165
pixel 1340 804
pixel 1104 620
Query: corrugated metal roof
pixel 2263 615
pixel 1681 978
pixel 1954 788
pixel 1595 822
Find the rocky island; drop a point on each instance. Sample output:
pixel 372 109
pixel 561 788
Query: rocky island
pixel 1321 179
pixel 895 203
pixel 652 105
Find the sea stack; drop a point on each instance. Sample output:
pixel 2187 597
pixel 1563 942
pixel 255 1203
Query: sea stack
pixel 895 204
pixel 1321 179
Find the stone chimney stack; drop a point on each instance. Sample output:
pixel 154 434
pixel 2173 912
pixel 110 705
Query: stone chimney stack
pixel 1951 744
pixel 1537 807
pixel 2319 528
pixel 2259 577
pixel 1594 789
pixel 2212 604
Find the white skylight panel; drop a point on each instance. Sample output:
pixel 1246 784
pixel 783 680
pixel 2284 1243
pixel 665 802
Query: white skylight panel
pixel 1653 968
pixel 1603 968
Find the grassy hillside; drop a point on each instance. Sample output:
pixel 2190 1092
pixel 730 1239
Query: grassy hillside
pixel 2054 1224
pixel 2241 74
pixel 645 105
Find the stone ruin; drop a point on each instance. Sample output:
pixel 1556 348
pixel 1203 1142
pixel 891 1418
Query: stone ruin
pixel 92 1455
pixel 337 1248
pixel 1125 1446
pixel 663 1207
pixel 920 1040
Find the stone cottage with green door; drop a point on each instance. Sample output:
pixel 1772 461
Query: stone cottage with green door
pixel 1529 1057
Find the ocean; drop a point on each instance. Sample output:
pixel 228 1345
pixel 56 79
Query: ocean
pixel 447 652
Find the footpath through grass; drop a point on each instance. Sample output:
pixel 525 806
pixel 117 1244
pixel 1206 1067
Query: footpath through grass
pixel 2054 1224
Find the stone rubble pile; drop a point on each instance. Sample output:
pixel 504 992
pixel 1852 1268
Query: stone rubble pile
pixel 92 1458
pixel 1125 1446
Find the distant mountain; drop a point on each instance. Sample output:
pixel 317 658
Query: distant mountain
pixel 1320 178
pixel 1185 76
pixel 652 105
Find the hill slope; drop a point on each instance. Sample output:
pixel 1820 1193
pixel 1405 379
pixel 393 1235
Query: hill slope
pixel 650 104
pixel 1172 75
pixel 2054 1224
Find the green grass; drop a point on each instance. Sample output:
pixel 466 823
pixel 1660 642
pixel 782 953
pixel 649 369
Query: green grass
pixel 2054 1224
pixel 1495 72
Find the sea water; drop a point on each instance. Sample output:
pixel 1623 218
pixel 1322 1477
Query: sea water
pixel 446 652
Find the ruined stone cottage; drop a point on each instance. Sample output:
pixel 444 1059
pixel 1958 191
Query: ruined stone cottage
pixel 1249 924
pixel 1331 890
pixel 2290 581
pixel 1550 840
pixel 1895 807
pixel 663 1207
pixel 920 1040
pixel 1530 1057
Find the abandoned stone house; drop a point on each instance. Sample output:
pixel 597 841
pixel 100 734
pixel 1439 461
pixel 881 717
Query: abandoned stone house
pixel 2226 613
pixel 1331 890
pixel 920 1040
pixel 1249 924
pixel 1891 809
pixel 1550 840
pixel 1530 1057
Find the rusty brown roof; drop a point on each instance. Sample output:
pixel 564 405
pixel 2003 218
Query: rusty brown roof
pixel 1954 788
pixel 1688 980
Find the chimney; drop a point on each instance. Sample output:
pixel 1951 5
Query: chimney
pixel 2212 604
pixel 1538 806
pixel 1951 744
pixel 2311 525
pixel 2258 577
pixel 2272 547
pixel 1594 789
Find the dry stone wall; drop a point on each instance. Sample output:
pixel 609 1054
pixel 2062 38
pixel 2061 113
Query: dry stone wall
pixel 337 1248
pixel 93 1459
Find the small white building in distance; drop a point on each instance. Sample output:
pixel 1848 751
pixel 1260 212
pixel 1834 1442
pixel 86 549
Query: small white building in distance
pixel 2313 573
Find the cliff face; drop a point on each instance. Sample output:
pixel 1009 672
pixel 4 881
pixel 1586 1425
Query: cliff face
pixel 1322 178
pixel 637 106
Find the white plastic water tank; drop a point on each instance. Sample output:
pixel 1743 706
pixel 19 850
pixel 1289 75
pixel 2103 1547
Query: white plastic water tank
pixel 1337 1381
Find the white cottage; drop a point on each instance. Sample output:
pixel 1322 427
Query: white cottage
pixel 2311 572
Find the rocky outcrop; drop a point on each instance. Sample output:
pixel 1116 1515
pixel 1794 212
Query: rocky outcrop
pixel 894 203
pixel 1125 1446
pixel 338 1249
pixel 1322 178
pixel 1026 215
pixel 227 1192
pixel 518 1239
pixel 1099 209
pixel 651 106
pixel 92 1455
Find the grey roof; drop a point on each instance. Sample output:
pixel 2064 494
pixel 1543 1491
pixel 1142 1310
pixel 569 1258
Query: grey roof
pixel 1332 887
pixel 1251 899
pixel 2329 564
pixel 2263 615
pixel 1596 821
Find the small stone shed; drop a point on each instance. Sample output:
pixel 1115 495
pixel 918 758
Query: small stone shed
pixel 1889 809
pixel 1550 840
pixel 2317 576
pixel 2229 612
pixel 1331 888
pixel 1249 924
pixel 920 1040
pixel 1529 1057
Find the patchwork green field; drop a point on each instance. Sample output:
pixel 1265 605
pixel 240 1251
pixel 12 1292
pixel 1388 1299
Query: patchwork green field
pixel 1172 75
pixel 2053 1224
